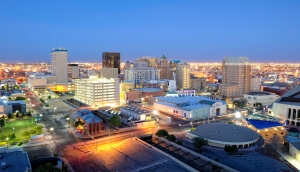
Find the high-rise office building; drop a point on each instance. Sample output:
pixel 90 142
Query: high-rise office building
pixel 59 65
pixel 140 72
pixel 73 71
pixel 183 78
pixel 235 77
pixel 163 65
pixel 111 60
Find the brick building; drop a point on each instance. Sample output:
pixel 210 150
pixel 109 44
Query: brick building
pixel 92 124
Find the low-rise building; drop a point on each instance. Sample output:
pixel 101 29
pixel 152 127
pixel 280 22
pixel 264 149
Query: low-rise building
pixel 260 98
pixel 186 93
pixel 14 160
pixel 136 112
pixel 11 107
pixel 149 93
pixel 92 124
pixel 190 107
pixel 275 90
pixel 287 107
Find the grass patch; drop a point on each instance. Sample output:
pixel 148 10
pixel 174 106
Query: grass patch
pixel 20 126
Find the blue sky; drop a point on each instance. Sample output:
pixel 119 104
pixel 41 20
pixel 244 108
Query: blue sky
pixel 192 31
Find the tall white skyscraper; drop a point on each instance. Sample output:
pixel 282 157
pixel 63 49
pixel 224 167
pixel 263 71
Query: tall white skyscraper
pixel 59 65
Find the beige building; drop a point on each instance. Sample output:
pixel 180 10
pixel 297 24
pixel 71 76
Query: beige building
pixel 59 65
pixel 151 61
pixel 198 84
pixel 98 92
pixel 163 66
pixel 255 84
pixel 235 77
pixel 109 73
pixel 73 71
pixel 183 78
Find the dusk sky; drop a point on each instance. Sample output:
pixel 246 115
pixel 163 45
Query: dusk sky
pixel 192 31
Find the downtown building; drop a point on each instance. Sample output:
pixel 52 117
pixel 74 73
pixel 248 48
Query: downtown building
pixel 98 92
pixel 139 71
pixel 235 77
pixel 111 60
pixel 183 78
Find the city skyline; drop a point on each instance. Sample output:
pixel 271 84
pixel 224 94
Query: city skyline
pixel 194 31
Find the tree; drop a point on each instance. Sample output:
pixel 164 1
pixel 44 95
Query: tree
pixel 42 100
pixel 49 167
pixel 17 115
pixel 171 138
pixel 198 142
pixel 231 149
pixel 224 98
pixel 162 133
pixel 240 103
pixel 26 134
pixel 20 98
pixel 114 121
pixel 2 122
pixel 49 97
pixel 9 115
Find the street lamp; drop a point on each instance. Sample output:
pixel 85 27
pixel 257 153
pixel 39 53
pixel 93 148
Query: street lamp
pixel 192 124
pixel 179 126
pixel 51 130
pixel 275 130
pixel 6 143
pixel 54 109
pixel 13 129
pixel 281 130
pixel 41 115
pixel 266 132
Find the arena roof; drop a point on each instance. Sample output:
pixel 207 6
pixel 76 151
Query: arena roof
pixel 225 133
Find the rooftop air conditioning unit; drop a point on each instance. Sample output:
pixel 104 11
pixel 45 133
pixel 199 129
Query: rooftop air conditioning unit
pixel 3 165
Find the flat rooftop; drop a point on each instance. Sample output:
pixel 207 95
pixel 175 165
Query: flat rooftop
pixel 190 100
pixel 16 160
pixel 225 132
pixel 136 109
pixel 258 93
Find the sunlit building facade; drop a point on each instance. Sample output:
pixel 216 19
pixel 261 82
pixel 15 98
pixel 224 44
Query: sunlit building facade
pixel 98 92
pixel 235 77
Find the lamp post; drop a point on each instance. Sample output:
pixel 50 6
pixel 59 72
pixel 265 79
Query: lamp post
pixel 41 115
pixel 275 130
pixel 155 113
pixel 51 130
pixel 281 130
pixel 54 109
pixel 179 127
pixel 266 132
pixel 13 129
pixel 192 124
pixel 6 143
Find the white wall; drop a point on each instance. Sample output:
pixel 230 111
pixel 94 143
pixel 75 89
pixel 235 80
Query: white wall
pixel 265 100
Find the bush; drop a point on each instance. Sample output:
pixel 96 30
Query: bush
pixel 9 115
pixel 114 121
pixel 216 159
pixel 171 138
pixel 179 142
pixel 231 149
pixel 198 142
pixel 20 143
pixel 162 133
pixel 193 129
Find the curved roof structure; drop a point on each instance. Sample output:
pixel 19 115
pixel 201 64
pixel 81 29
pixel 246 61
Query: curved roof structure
pixel 163 57
pixel 228 133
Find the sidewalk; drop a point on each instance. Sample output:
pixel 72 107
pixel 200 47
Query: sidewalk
pixel 291 160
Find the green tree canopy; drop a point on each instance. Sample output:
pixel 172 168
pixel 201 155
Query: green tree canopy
pixel 162 133
pixel 198 142
pixel 114 121
pixel 171 138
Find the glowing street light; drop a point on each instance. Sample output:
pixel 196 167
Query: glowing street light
pixel 275 130
pixel 266 132
pixel 238 115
